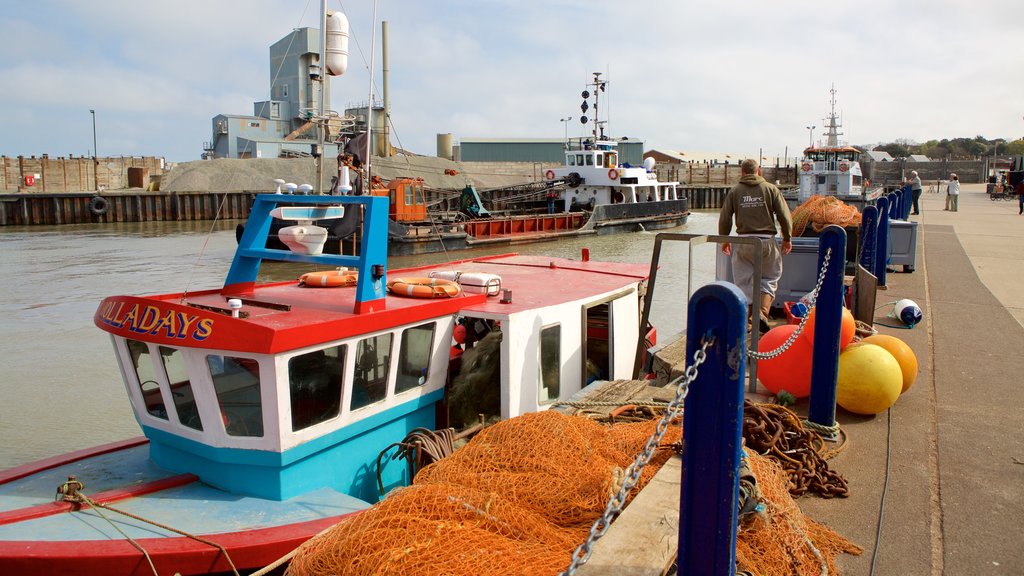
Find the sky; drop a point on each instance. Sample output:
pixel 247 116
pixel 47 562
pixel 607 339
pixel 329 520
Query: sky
pixel 737 77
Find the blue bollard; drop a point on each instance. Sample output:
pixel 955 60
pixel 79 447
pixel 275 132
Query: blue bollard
pixel 713 432
pixel 908 202
pixel 882 241
pixel 828 321
pixel 868 237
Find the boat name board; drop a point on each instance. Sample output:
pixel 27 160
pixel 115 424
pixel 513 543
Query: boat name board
pixel 154 321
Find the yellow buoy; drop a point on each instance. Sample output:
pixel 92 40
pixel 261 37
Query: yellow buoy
pixel 870 379
pixel 901 352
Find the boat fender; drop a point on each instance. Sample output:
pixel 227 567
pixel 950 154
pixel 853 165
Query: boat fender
pixel 329 279
pixel 424 288
pixel 550 174
pixel 613 174
pixel 98 205
pixel 806 166
pixel 472 282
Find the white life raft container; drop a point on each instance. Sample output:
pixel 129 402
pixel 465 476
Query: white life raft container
pixel 472 282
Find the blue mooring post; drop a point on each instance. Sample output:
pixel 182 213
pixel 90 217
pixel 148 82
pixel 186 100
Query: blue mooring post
pixel 882 240
pixel 828 321
pixel 868 237
pixel 713 432
pixel 908 202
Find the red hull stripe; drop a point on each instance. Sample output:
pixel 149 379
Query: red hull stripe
pixel 24 470
pixel 51 508
pixel 249 550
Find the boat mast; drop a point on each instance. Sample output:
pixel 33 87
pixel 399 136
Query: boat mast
pixel 321 122
pixel 369 103
pixel 833 125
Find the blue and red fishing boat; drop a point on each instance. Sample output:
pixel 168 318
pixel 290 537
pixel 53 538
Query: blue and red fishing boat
pixel 267 409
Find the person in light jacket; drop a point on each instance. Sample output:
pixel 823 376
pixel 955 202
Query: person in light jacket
pixel 952 193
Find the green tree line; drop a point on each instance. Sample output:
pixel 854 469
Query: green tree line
pixel 954 149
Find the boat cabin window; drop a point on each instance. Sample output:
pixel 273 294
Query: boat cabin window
pixel 181 387
pixel 314 383
pixel 237 384
pixel 142 362
pixel 590 159
pixel 600 160
pixel 571 159
pixel 550 362
pixel 370 381
pixel 414 357
pixel 611 160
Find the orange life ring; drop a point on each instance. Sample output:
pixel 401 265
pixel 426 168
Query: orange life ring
pixel 424 288
pixel 844 167
pixel 550 174
pixel 329 279
pixel 613 174
pixel 806 166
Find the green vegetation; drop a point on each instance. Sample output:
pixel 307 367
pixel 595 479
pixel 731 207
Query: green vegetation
pixel 955 149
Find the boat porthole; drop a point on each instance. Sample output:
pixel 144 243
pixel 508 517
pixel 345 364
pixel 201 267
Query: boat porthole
pixel 98 205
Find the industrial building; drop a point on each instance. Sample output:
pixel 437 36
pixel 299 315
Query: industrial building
pixel 283 125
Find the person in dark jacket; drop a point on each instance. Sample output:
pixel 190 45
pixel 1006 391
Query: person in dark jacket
pixel 756 205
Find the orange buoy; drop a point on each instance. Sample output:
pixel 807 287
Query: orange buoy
pixel 789 371
pixel 424 288
pixel 847 330
pixel 901 352
pixel 329 279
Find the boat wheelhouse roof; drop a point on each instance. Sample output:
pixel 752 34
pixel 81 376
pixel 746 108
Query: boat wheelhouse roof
pixel 283 316
pixel 850 149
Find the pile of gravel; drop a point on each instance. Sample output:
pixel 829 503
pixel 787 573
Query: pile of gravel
pixel 257 174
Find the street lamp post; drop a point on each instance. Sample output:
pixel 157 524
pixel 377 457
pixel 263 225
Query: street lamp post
pixel 810 136
pixel 95 155
pixel 565 124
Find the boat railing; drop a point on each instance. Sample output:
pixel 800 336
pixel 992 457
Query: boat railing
pixel 371 263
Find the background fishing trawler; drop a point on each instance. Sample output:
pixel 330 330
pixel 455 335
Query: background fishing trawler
pixel 268 409
pixel 832 168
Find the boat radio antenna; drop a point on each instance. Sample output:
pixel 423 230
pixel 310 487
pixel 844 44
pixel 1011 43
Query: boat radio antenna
pixel 832 139
pixel 598 86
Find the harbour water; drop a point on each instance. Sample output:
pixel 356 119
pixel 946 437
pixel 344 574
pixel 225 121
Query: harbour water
pixel 59 385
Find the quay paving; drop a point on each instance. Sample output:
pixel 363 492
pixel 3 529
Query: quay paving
pixel 955 498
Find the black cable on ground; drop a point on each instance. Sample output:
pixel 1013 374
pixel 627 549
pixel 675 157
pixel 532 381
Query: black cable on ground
pixel 885 488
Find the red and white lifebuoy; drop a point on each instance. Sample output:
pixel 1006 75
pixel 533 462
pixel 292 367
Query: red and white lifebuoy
pixel 550 174
pixel 30 180
pixel 613 174
pixel 806 166
pixel 844 167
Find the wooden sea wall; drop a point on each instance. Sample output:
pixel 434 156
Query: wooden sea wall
pixel 703 174
pixel 82 174
pixel 122 206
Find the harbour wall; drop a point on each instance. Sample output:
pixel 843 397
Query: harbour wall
pixel 142 206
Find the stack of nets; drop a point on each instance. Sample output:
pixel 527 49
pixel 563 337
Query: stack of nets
pixel 518 499
pixel 820 211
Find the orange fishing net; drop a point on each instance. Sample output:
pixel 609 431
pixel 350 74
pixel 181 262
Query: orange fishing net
pixel 782 541
pixel 820 211
pixel 517 499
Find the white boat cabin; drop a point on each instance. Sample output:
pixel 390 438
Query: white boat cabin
pixel 593 176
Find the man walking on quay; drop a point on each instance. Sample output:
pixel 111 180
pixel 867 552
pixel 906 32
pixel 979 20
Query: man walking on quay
pixel 915 189
pixel 757 205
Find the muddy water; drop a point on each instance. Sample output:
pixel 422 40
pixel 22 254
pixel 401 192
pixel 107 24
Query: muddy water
pixel 60 389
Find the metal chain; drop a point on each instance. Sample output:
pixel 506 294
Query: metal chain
pixel 632 476
pixel 813 298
